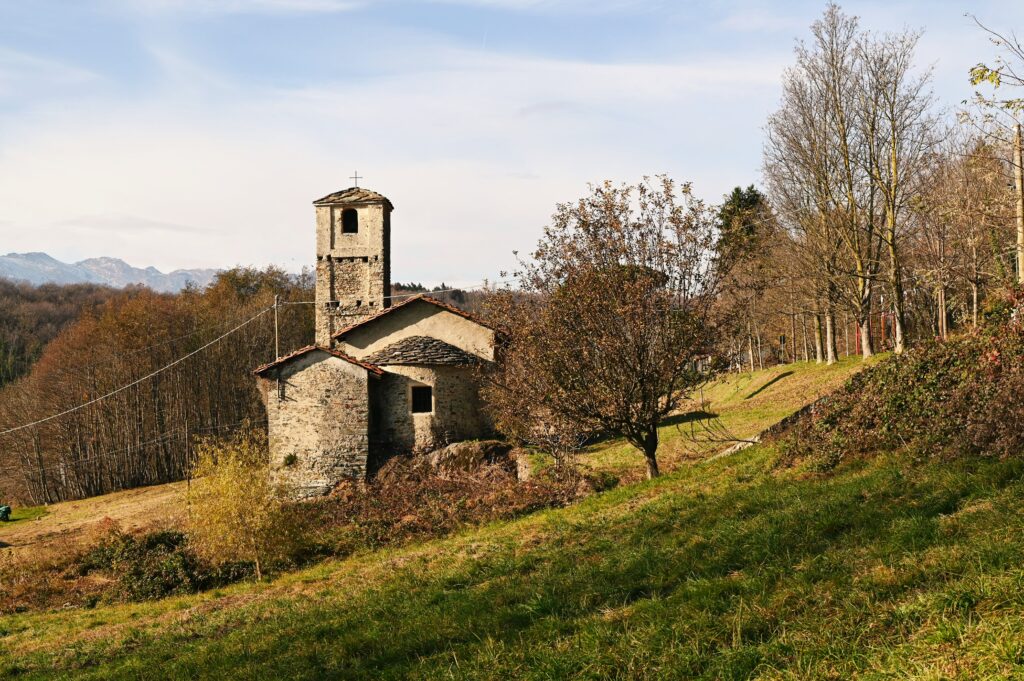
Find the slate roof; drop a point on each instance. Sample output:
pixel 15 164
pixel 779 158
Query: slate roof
pixel 409 301
pixel 422 350
pixel 375 370
pixel 353 195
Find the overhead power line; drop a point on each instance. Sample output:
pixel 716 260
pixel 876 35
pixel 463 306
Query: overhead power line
pixel 412 295
pixel 138 381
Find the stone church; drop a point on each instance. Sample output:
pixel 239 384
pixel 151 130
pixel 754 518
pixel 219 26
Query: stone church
pixel 381 378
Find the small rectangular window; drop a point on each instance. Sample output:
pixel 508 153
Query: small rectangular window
pixel 422 399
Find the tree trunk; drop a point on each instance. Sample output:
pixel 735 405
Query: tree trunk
pixel 846 335
pixel 792 341
pixel 819 350
pixel 975 278
pixel 830 336
pixel 941 312
pixel 1018 182
pixel 651 453
pixel 898 311
pixel 974 304
pixel 865 338
pixel 750 347
pixel 803 327
pixel 760 357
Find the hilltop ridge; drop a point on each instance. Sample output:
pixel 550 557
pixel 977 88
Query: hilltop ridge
pixel 41 268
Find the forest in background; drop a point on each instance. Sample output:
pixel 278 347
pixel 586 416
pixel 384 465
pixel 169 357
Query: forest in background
pixel 32 316
pixel 143 434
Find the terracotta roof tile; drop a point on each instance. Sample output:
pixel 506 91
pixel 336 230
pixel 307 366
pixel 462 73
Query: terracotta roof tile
pixel 423 350
pixel 259 371
pixel 353 195
pixel 422 297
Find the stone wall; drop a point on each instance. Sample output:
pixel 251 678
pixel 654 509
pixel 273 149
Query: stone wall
pixel 457 411
pixel 353 271
pixel 420 318
pixel 319 424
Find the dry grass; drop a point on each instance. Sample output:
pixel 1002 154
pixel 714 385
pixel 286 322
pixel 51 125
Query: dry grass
pixel 71 524
pixel 38 552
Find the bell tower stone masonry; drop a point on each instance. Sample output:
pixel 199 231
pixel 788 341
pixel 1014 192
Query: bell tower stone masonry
pixel 353 259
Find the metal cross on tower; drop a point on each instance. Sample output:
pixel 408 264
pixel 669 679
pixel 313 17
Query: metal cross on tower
pixel 355 178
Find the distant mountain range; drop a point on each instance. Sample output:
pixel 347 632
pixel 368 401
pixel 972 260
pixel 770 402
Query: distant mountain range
pixel 40 268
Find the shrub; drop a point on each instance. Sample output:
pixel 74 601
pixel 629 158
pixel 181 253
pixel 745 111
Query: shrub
pixel 155 565
pixel 942 399
pixel 151 565
pixel 234 513
pixel 408 499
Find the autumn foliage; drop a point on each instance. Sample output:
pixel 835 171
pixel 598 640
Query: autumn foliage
pixel 141 435
pixel 235 514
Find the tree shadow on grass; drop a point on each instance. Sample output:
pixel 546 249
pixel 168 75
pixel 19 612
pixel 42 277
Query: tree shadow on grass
pixel 689 417
pixel 769 384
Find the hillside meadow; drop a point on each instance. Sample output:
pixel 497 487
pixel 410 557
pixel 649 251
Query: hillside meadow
pixel 726 567
pixel 723 569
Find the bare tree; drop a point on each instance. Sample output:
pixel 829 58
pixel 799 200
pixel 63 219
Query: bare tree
pixel 613 315
pixel 843 157
pixel 898 134
pixel 961 228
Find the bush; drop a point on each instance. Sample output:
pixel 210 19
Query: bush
pixel 234 513
pixel 943 399
pixel 408 499
pixel 151 565
pixel 155 565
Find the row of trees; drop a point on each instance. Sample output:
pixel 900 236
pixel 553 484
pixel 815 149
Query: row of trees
pixel 142 434
pixel 884 221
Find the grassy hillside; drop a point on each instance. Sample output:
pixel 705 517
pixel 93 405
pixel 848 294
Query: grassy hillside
pixel 734 408
pixel 719 570
pixel 58 527
pixel 725 568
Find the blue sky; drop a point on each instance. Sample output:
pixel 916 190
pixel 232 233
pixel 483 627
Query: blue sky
pixel 196 133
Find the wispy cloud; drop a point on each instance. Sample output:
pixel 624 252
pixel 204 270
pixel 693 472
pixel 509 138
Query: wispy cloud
pixel 22 74
pixel 562 6
pixel 247 161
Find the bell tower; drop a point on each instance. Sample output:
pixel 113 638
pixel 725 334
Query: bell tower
pixel 353 259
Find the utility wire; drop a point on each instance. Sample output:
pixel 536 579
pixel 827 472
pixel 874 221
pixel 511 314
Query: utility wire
pixel 141 446
pixel 140 380
pixel 79 369
pixel 411 295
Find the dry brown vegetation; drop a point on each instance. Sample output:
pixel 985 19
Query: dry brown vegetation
pixel 141 435
pixel 38 555
pixel 129 545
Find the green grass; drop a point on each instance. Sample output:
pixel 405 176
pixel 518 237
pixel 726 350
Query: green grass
pixel 723 569
pixel 719 571
pixel 736 407
pixel 19 513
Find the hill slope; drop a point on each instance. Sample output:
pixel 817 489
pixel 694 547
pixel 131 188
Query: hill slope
pixel 725 568
pixel 718 571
